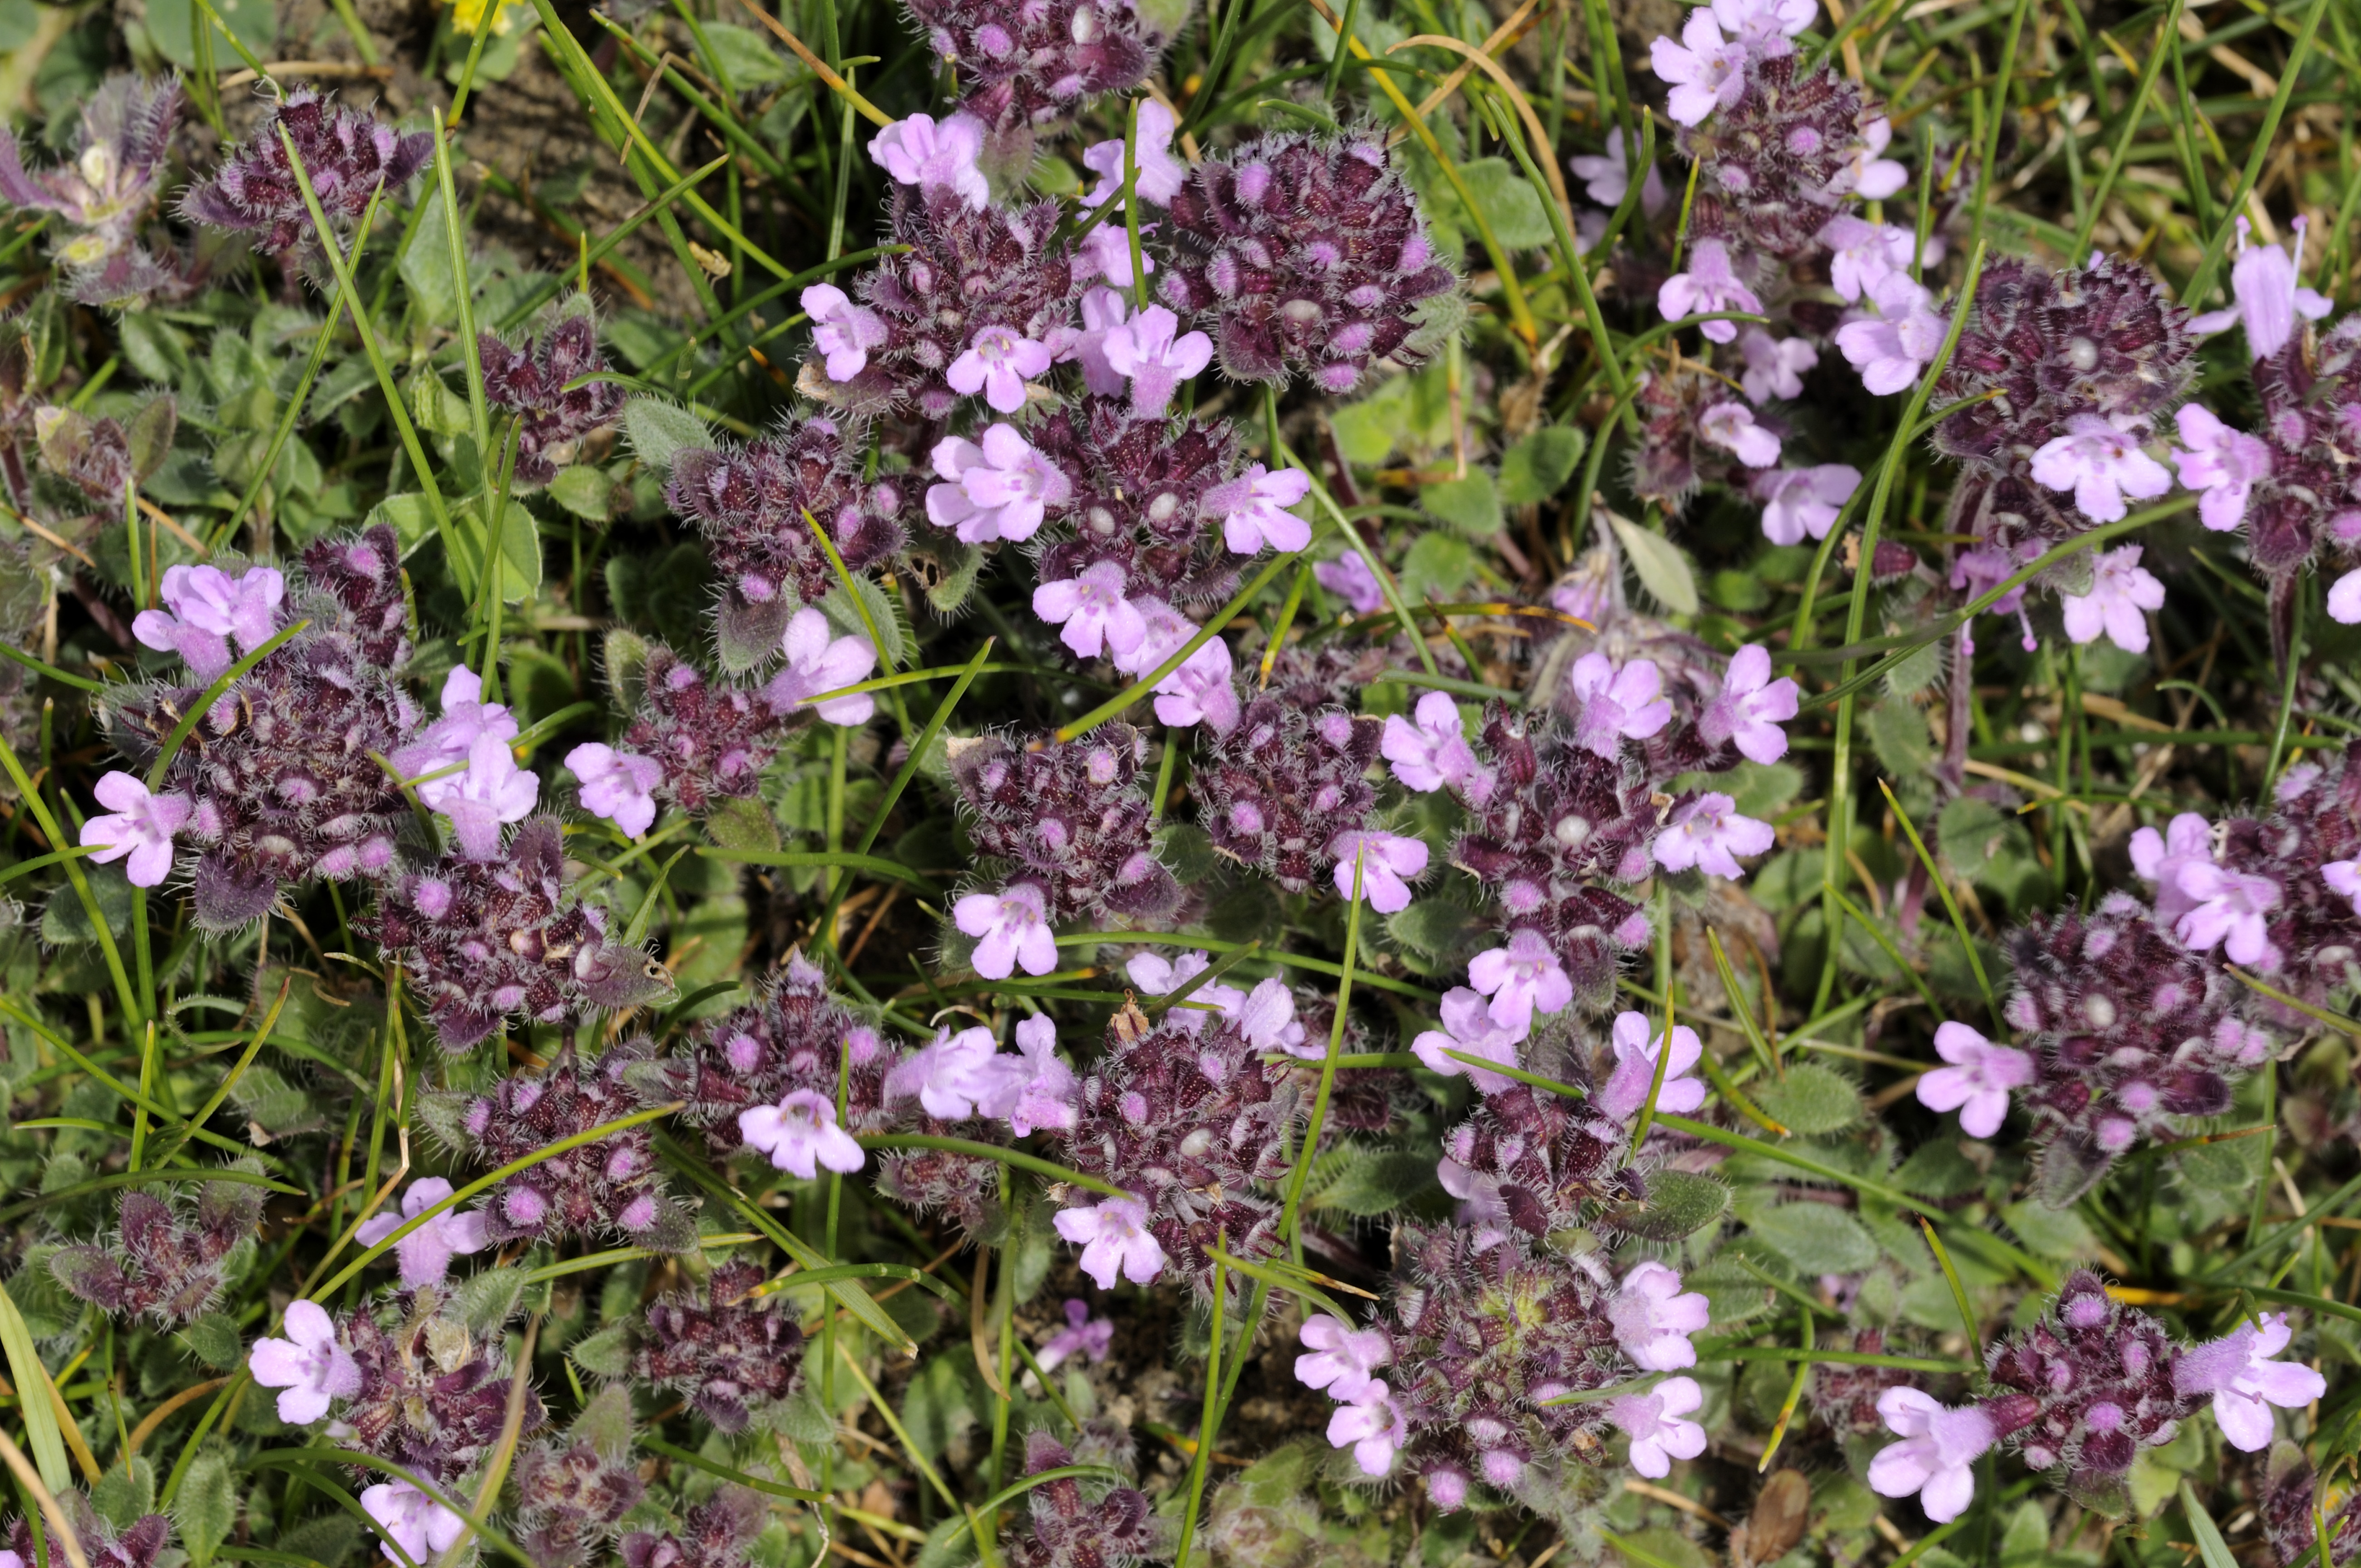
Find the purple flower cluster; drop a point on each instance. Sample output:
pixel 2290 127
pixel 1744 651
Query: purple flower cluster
pixel 166 1263
pixel 140 1544
pixel 758 506
pixel 535 383
pixel 278 780
pixel 1280 787
pixel 349 156
pixel 2080 1392
pixel 716 1534
pixel 1023 66
pixel 570 1496
pixel 608 1186
pixel 107 191
pixel 1100 1527
pixel 426 1393
pixel 491 939
pixel 1305 254
pixel 729 1352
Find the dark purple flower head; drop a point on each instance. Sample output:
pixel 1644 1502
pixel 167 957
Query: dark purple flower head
pixel 489 939
pixel 796 1034
pixel 2289 1499
pixel 1775 164
pixel 532 382
pixel 2086 1387
pixel 992 274
pixel 2102 339
pixel 166 1262
pixel 1673 457
pixel 1147 496
pixel 570 1495
pixel 1070 816
pixel 605 1186
pixel 434 1396
pixel 137 1546
pixel 716 1534
pixel 1484 1332
pixel 2304 850
pixel 730 1352
pixel 1278 788
pixel 1188 1117
pixel 1032 64
pixel 713 738
pixel 1303 253
pixel 348 154
pixel 1538 1161
pixel 2307 499
pixel 118 168
pixel 1100 1527
pixel 280 769
pixel 750 502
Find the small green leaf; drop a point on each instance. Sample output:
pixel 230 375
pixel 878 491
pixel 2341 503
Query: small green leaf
pixel 1437 928
pixel 1510 203
pixel 1812 1100
pixel 587 492
pixel 205 1507
pixel 426 267
pixel 1817 1238
pixel 659 430
pixel 742 824
pixel 215 1340
pixel 124 1493
pixel 1537 468
pixel 745 57
pixel 1662 569
pixel 1437 566
pixel 1470 505
pixel 1381 1182
pixel 408 516
pixel 1679 1204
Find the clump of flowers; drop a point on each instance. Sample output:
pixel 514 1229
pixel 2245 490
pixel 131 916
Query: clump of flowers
pixel 1304 254
pixel 1034 64
pixel 167 1262
pixel 717 1533
pixel 492 939
pixel 432 1396
pixel 535 383
pixel 107 189
pixel 141 1544
pixel 1282 786
pixel 728 1351
pixel 1079 1526
pixel 347 156
pixel 605 1187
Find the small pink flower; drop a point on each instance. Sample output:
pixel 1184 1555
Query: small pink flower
pixel 1082 1335
pixel 614 785
pixel 1522 979
pixel 1253 509
pixel 816 663
pixel 2222 462
pixel 1890 347
pixel 1766 25
pixel 1977 1082
pixel 2187 840
pixel 1800 501
pixel 310 1365
pixel 918 151
pixel 1144 352
pixel 1093 610
pixel 1032 1089
pixel 2229 910
pixel 1658 1432
pixel 1115 1242
pixel 1342 1358
pixel 1349 578
pixel 412 1521
pixel 1936 1460
pixel 425 1254
pixel 948 1075
pixel 800 1134
pixel 1103 310
pixel 1709 285
pixel 205 608
pixel 1774 366
pixel 466 716
pixel 1267 1018
pixel 1468 1027
pixel 1389 863
pixel 1609 177
pixel 2344 599
pixel 1000 489
pixel 998 363
pixel 1706 73
pixel 2343 879
pixel 1157 976
pixel 2238 1371
pixel 1158 175
pixel 2102 463
pixel 1866 174
pixel 1637 1046
pixel 1375 1429
pixel 1617 705
pixel 1864 253
pixel 2120 591
pixel 136 824
pixel 1708 834
pixel 2268 299
pixel 1751 707
pixel 1431 751
pixel 1105 252
pixel 1731 426
pixel 843 331
pixel 490 791
pixel 1654 1319
pixel 1202 690
pixel 1010 927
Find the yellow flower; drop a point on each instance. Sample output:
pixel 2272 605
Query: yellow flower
pixel 468 16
